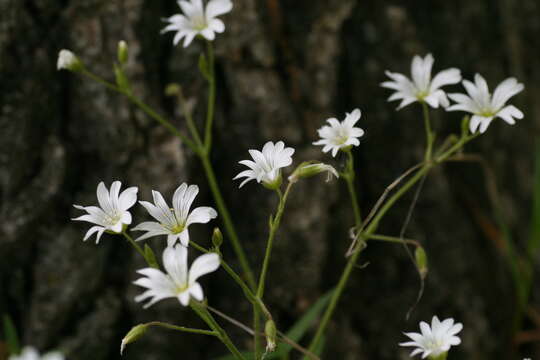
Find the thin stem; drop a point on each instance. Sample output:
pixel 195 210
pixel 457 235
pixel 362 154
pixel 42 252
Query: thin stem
pixel 189 119
pixel 203 313
pixel 227 222
pixel 182 328
pixel 429 133
pixel 352 260
pixel 211 97
pixel 393 239
pixel 134 244
pixel 349 178
pixel 148 110
pixel 247 291
pixel 274 226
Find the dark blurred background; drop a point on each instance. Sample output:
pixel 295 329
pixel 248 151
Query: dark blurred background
pixel 283 67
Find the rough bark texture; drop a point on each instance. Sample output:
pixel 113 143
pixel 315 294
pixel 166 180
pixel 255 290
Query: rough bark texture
pixel 283 67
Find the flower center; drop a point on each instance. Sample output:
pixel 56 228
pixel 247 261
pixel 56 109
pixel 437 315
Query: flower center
pixel 487 113
pixel 422 94
pixel 113 219
pixel 177 229
pixel 341 137
pixel 199 22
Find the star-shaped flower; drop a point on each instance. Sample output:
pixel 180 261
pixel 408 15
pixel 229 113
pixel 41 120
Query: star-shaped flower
pixel 177 282
pixel 340 135
pixel 422 87
pixel 434 340
pixel 174 222
pixel 112 214
pixel 196 20
pixel 486 107
pixel 30 353
pixel 267 164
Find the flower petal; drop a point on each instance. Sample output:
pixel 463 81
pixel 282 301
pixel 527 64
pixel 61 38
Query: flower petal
pixel 204 264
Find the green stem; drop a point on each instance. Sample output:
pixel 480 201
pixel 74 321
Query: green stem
pixel 372 227
pixel 211 98
pixel 227 222
pixel 392 239
pixel 203 313
pixel 430 136
pixel 247 291
pixel 274 226
pixel 182 328
pixel 349 178
pixel 135 245
pixel 189 118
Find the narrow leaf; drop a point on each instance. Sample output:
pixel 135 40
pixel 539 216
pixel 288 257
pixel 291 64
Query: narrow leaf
pixel 11 337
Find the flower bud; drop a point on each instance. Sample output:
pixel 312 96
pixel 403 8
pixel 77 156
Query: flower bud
pixel 133 335
pixel 270 332
pixel 173 89
pixel 309 169
pixel 122 52
pixel 421 261
pixel 68 61
pixel 217 238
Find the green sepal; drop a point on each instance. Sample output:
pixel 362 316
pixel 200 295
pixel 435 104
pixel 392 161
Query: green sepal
pixel 150 257
pixel 121 79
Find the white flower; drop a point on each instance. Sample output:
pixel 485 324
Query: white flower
pixel 422 88
pixel 267 164
pixel 112 213
pixel 30 353
pixel 178 282
pixel 486 107
pixel 197 20
pixel 340 135
pixel 174 222
pixel 68 61
pixel 434 340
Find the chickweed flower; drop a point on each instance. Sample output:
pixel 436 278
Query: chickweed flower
pixel 340 135
pixel 197 20
pixel 112 214
pixel 178 282
pixel 422 87
pixel 174 222
pixel 267 164
pixel 68 61
pixel 30 353
pixel 435 340
pixel 486 107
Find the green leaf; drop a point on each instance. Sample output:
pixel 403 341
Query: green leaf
pixel 203 67
pixel 10 334
pixel 296 332
pixel 150 257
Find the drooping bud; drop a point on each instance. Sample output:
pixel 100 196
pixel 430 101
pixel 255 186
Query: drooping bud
pixel 309 169
pixel 421 261
pixel 217 238
pixel 270 332
pixel 68 61
pixel 122 52
pixel 133 335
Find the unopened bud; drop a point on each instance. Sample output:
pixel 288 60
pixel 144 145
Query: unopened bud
pixel 122 52
pixel 68 61
pixel 421 261
pixel 173 89
pixel 270 332
pixel 217 238
pixel 309 169
pixel 133 335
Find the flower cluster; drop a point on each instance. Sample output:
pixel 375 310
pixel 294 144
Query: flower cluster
pixel 113 216
pixel 479 102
